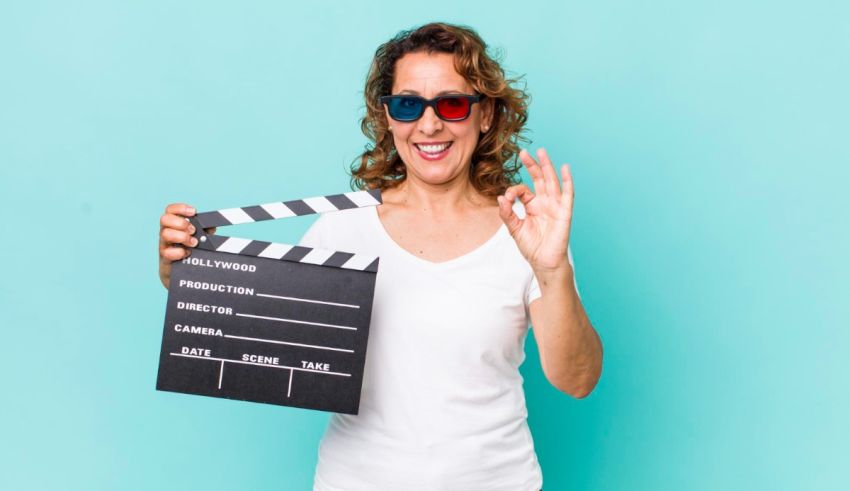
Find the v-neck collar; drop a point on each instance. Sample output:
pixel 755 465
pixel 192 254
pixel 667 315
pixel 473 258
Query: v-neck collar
pixel 382 231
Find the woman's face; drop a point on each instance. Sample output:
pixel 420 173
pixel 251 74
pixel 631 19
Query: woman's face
pixel 435 151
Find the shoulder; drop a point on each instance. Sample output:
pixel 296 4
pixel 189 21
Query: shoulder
pixel 334 226
pixel 347 219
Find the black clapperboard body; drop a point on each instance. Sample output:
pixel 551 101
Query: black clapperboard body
pixel 268 322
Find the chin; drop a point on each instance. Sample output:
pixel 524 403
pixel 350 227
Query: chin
pixel 440 176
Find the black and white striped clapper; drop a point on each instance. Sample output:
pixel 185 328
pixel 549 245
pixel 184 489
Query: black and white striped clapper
pixel 267 322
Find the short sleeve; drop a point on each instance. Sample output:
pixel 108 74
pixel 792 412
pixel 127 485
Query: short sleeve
pixel 317 235
pixel 534 288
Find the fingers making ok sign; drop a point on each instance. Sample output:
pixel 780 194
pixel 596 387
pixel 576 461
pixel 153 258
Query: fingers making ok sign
pixel 544 234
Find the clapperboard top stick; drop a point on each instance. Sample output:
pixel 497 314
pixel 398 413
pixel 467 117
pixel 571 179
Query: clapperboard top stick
pixel 286 209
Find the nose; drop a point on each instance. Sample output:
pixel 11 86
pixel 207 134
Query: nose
pixel 429 123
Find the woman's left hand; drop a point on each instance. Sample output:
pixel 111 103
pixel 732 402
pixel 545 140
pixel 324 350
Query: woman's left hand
pixel 543 235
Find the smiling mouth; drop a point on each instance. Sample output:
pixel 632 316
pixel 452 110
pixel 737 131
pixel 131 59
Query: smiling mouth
pixel 433 149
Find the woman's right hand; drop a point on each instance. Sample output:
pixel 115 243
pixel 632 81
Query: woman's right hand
pixel 175 237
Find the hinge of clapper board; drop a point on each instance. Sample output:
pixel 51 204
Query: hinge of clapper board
pixel 285 209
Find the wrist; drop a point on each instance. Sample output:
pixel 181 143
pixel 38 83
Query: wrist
pixel 559 274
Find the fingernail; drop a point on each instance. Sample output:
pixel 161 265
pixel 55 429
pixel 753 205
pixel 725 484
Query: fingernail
pixel 194 242
pixel 190 210
pixel 192 229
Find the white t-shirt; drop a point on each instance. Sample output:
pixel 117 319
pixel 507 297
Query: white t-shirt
pixel 442 405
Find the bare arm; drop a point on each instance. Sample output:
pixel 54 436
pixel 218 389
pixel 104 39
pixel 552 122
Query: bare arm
pixel 570 349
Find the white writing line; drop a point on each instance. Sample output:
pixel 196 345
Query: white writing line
pixel 297 322
pixel 295 299
pixel 289 390
pixel 259 364
pixel 291 344
pixel 220 374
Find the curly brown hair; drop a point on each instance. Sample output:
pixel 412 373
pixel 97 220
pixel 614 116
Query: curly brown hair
pixel 495 165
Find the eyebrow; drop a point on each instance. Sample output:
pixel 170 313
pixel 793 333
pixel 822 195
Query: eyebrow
pixel 442 92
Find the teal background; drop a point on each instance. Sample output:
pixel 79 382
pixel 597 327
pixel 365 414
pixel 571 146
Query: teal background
pixel 708 142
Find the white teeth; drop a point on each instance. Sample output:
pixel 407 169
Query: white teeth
pixel 433 148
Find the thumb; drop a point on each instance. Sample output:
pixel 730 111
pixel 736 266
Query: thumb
pixel 507 214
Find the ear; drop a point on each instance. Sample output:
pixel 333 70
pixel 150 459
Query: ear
pixel 487 108
pixel 387 115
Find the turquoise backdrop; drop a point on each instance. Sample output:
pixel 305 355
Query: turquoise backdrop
pixel 708 141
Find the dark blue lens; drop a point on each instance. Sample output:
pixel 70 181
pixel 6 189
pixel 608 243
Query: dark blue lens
pixel 405 108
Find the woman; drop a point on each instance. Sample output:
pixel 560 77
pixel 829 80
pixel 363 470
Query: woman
pixel 461 272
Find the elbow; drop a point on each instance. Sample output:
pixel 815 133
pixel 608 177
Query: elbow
pixel 579 375
pixel 582 392
pixel 578 385
pixel 576 390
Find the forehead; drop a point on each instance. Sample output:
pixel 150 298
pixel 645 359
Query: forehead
pixel 428 74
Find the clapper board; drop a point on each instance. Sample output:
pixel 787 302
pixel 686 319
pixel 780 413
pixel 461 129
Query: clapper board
pixel 268 322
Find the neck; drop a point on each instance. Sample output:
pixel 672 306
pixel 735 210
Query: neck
pixel 442 199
